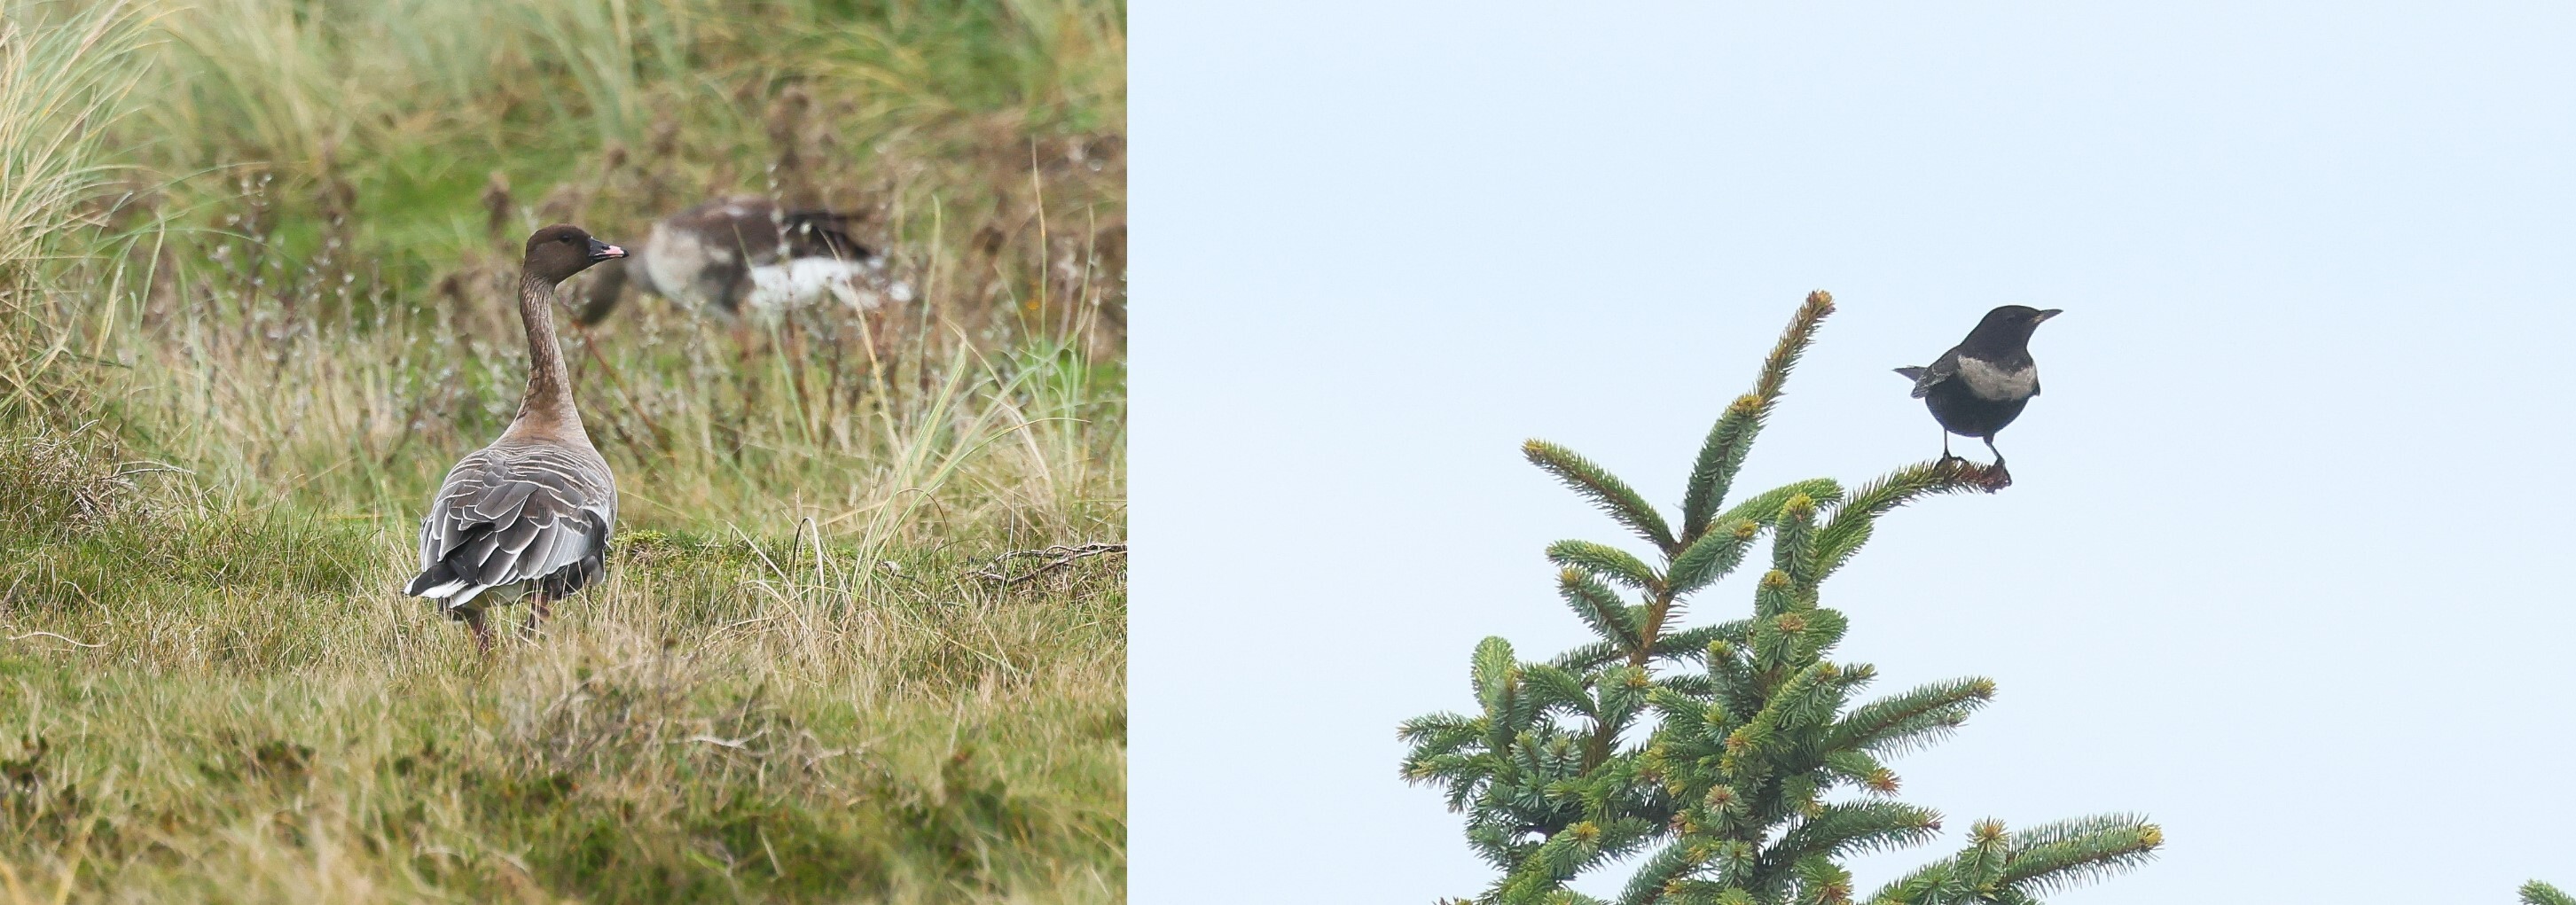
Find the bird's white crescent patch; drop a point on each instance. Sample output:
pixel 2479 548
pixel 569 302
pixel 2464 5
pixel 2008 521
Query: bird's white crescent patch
pixel 1993 383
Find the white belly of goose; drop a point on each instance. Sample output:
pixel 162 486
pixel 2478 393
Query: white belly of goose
pixel 1993 383
pixel 804 282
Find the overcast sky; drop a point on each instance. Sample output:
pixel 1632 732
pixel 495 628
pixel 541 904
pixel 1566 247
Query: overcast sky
pixel 2285 568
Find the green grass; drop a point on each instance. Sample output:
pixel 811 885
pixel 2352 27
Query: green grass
pixel 260 722
pixel 268 306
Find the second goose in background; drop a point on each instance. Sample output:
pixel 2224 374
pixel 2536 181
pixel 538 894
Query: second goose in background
pixel 744 255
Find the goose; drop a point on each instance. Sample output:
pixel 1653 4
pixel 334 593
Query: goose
pixel 532 511
pixel 745 254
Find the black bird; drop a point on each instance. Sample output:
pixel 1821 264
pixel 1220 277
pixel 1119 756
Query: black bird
pixel 1981 384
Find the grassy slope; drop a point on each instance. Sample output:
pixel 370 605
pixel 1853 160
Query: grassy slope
pixel 792 688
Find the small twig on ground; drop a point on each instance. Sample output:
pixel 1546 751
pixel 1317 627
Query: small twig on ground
pixel 56 637
pixel 130 469
pixel 730 626
pixel 735 743
pixel 1056 557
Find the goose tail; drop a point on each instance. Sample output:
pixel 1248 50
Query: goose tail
pixel 442 585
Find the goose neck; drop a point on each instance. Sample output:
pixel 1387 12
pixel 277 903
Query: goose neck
pixel 548 406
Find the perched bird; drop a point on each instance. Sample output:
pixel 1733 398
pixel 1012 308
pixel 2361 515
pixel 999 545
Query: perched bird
pixel 532 511
pixel 1981 384
pixel 744 254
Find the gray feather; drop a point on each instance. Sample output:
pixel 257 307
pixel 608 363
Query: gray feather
pixel 1926 378
pixel 516 513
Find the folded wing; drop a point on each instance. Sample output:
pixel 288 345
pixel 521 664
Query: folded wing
pixel 1944 368
pixel 507 517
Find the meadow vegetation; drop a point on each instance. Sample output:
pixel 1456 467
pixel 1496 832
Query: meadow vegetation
pixel 255 298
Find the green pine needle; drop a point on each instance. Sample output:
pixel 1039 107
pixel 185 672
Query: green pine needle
pixel 1731 439
pixel 1719 459
pixel 1604 489
pixel 1850 527
pixel 1712 556
pixel 1603 561
pixel 1601 609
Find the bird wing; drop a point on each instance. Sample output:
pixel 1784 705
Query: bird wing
pixel 1943 368
pixel 506 516
pixel 822 234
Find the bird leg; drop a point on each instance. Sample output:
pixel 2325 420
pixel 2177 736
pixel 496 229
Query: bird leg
pixel 795 340
pixel 1990 447
pixel 1946 455
pixel 537 610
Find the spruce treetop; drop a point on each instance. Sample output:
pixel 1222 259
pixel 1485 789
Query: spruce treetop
pixel 1738 763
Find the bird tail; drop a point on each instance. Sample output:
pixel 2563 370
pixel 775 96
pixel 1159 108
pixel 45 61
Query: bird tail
pixel 823 234
pixel 1911 373
pixel 441 584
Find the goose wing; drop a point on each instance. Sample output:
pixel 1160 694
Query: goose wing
pixel 506 516
pixel 822 234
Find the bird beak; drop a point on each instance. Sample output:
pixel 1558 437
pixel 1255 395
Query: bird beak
pixel 2045 315
pixel 601 251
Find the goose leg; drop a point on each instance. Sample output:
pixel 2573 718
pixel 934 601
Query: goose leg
pixel 482 631
pixel 537 610
pixel 730 301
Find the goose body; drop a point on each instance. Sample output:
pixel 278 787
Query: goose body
pixel 745 255
pixel 519 516
pixel 532 512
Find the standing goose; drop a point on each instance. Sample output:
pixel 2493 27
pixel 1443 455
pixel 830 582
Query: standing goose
pixel 745 254
pixel 532 511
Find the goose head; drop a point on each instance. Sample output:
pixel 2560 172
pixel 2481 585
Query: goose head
pixel 557 252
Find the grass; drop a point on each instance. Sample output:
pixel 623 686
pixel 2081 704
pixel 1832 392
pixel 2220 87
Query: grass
pixel 263 303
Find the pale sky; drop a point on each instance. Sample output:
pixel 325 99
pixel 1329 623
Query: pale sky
pixel 2284 566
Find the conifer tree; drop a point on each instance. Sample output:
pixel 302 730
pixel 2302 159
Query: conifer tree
pixel 2539 893
pixel 1730 756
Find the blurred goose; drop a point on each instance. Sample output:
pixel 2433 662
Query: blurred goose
pixel 532 511
pixel 743 254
